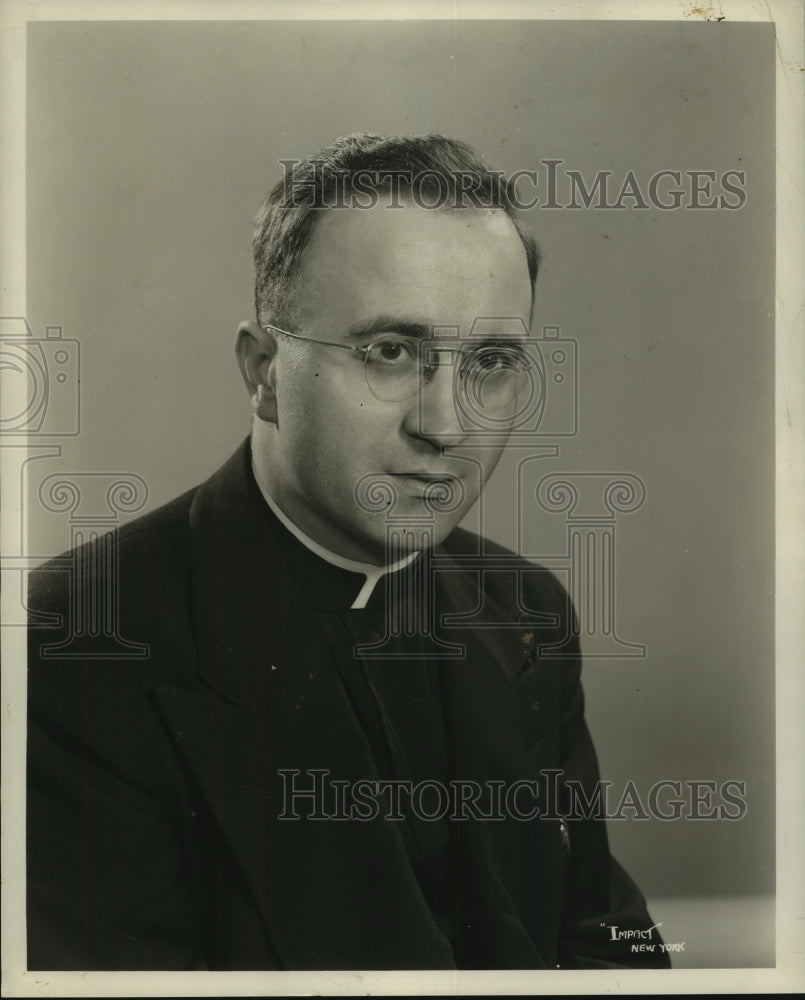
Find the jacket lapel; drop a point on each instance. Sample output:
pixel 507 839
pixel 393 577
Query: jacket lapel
pixel 511 869
pixel 268 700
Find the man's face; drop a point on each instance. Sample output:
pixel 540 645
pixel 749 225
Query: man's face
pixel 384 271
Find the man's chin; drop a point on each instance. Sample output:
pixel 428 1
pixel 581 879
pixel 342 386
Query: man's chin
pixel 402 536
pixel 443 527
pixel 426 534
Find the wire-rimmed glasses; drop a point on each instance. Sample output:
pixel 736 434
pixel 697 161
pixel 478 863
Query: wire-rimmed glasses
pixel 491 371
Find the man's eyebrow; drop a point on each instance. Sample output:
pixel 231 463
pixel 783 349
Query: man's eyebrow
pixel 404 325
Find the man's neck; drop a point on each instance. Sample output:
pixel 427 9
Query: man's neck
pixel 372 572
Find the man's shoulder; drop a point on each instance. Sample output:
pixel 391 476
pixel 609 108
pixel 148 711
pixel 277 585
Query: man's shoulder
pixel 463 542
pixel 502 568
pixel 164 529
pixel 161 536
pixel 157 539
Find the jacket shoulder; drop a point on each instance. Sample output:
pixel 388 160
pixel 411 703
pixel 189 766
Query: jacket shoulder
pixel 538 584
pixel 108 620
pixel 156 542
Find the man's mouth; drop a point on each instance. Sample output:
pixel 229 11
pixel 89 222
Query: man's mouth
pixel 444 489
pixel 426 477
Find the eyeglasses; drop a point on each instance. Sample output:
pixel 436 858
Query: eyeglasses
pixel 396 367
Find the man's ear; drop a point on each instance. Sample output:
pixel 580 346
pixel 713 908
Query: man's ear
pixel 256 349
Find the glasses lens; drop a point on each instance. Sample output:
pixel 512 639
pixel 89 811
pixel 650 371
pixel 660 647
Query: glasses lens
pixel 392 368
pixel 492 376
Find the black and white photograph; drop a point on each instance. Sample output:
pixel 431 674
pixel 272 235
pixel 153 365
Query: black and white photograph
pixel 402 498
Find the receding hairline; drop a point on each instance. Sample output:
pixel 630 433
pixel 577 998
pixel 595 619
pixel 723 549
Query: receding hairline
pixel 293 289
pixel 288 217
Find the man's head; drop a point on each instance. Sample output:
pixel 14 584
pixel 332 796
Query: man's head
pixel 377 239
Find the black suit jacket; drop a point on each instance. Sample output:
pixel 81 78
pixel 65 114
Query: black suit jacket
pixel 153 799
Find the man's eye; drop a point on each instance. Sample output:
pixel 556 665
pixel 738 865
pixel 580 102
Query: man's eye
pixel 499 357
pixel 489 359
pixel 392 352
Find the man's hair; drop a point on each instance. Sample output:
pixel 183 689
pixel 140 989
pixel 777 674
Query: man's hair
pixel 442 173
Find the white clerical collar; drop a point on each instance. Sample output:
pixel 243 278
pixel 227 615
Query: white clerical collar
pixel 372 573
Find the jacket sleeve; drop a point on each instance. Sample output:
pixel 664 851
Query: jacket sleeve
pixel 108 880
pixel 598 894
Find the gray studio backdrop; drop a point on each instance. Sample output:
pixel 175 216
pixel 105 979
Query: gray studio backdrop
pixel 150 146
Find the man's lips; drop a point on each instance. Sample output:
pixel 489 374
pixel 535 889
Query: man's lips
pixel 440 491
pixel 441 487
pixel 426 477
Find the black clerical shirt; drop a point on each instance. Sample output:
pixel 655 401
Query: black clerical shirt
pixel 396 699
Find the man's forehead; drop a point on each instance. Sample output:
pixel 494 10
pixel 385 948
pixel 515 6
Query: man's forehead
pixel 381 227
pixel 435 267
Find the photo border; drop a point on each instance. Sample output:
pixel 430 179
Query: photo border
pixel 789 975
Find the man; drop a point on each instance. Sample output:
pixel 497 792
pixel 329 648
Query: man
pixel 265 790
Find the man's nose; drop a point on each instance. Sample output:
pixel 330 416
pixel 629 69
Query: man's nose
pixel 438 417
